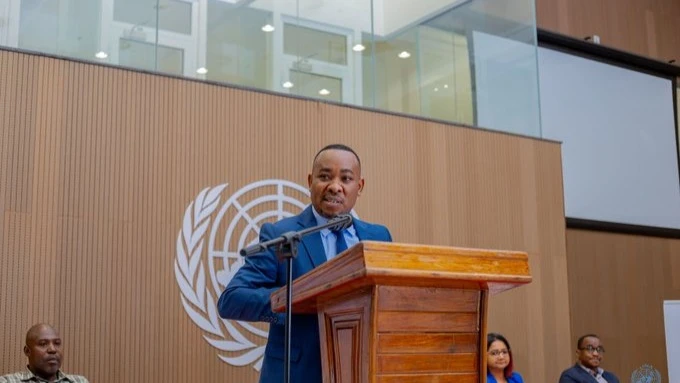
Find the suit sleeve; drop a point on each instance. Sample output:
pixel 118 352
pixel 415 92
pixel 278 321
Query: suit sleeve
pixel 383 233
pixel 389 235
pixel 247 297
pixel 611 378
pixel 565 378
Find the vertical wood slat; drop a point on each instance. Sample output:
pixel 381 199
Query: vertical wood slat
pixel 99 164
pixel 626 278
pixel 644 27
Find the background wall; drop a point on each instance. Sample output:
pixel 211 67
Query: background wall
pixel 644 27
pixel 617 285
pixel 99 164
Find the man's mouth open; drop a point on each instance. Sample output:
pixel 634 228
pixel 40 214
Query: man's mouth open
pixel 333 201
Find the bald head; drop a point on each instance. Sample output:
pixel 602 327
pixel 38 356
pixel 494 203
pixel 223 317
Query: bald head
pixel 43 350
pixel 36 330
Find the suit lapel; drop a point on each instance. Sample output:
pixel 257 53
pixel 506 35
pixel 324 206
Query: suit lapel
pixel 364 233
pixel 590 376
pixel 312 244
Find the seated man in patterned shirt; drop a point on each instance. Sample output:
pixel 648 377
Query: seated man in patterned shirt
pixel 43 350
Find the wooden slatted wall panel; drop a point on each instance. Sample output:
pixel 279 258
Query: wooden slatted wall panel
pixel 644 27
pixel 617 285
pixel 99 164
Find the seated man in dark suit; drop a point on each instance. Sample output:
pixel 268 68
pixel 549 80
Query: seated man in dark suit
pixel 334 184
pixel 43 350
pixel 589 351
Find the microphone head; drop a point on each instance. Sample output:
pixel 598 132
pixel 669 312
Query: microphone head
pixel 341 222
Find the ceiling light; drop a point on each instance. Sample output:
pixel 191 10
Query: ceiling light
pixel 358 48
pixel 201 70
pixel 268 28
pixel 101 55
pixel 404 55
pixel 446 86
pixel 287 85
pixel 436 89
pixel 324 92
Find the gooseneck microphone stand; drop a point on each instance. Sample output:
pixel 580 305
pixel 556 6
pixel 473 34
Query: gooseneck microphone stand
pixel 286 249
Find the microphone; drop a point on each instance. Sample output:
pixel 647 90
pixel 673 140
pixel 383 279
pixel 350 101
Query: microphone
pixel 340 222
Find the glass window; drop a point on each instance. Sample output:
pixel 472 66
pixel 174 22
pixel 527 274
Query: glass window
pixel 473 64
pixel 238 51
pixel 169 15
pixel 307 43
pixel 395 77
pixel 142 55
pixel 445 78
pixel 316 86
pixel 67 27
pixel 463 61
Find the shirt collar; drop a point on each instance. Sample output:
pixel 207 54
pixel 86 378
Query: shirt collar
pixel 599 370
pixel 28 376
pixel 321 220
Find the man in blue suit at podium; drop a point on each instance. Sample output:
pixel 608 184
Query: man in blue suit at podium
pixel 335 184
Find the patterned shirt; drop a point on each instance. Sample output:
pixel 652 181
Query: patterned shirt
pixel 28 376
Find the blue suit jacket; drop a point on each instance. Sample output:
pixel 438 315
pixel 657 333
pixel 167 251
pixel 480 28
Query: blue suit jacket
pixel 514 378
pixel 577 374
pixel 247 297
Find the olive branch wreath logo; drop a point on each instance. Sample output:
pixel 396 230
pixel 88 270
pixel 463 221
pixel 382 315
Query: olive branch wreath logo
pixel 198 300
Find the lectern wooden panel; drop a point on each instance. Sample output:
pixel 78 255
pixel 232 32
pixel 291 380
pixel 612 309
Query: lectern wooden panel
pixel 403 313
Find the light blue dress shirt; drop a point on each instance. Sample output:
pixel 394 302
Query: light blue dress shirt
pixel 328 239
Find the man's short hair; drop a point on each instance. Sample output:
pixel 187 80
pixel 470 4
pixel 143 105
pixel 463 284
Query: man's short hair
pixel 579 342
pixel 337 147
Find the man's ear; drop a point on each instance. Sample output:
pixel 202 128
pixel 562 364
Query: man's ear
pixel 27 351
pixel 361 186
pixel 309 180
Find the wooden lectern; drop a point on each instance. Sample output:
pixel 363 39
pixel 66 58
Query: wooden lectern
pixel 392 312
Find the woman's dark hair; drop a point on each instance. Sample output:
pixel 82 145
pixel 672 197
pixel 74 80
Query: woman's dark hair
pixel 492 337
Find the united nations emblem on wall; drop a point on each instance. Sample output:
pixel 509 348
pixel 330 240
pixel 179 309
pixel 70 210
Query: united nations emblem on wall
pixel 207 257
pixel 646 374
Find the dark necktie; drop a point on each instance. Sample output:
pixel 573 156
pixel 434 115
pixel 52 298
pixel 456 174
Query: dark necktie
pixel 340 243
